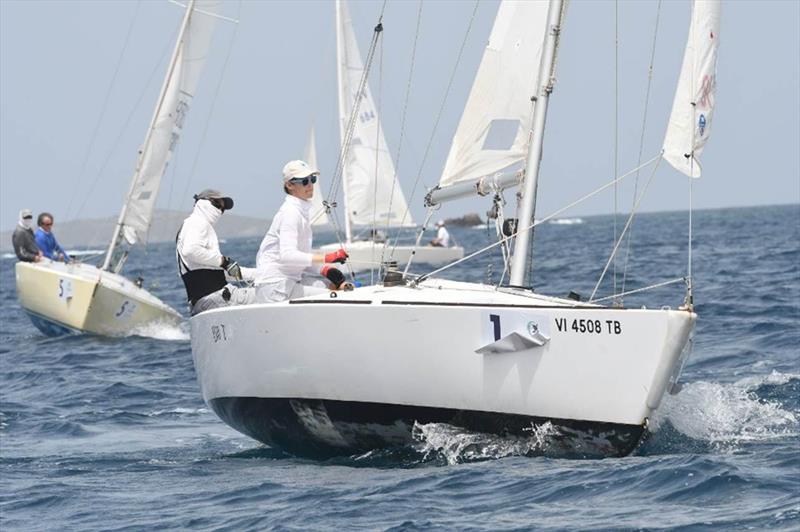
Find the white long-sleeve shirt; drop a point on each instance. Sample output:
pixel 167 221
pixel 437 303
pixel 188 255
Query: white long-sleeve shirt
pixel 443 237
pixel 198 245
pixel 285 252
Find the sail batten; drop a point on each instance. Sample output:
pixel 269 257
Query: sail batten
pixel 494 130
pixel 692 110
pixel 372 195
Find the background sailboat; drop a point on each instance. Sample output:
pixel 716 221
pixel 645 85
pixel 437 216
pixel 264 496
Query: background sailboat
pixel 64 298
pixel 373 199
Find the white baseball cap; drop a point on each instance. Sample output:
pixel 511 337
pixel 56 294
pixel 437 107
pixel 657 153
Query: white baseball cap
pixel 294 169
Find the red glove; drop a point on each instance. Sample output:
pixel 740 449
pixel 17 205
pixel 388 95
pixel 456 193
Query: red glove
pixel 337 256
pixel 333 275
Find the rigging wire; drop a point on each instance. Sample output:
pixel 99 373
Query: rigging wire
pixel 403 117
pixel 103 110
pixel 625 229
pixel 377 158
pixel 616 129
pixel 641 138
pixel 436 123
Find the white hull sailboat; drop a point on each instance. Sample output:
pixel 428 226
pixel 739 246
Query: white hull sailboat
pixel 82 298
pixel 500 360
pixel 373 200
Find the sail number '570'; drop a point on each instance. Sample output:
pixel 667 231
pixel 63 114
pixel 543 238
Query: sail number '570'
pixel 588 326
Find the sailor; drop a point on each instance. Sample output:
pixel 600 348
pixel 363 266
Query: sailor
pixel 23 239
pixel 46 240
pixel 204 269
pixel 442 239
pixel 285 266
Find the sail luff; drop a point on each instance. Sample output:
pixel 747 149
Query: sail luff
pixel 528 202
pixel 693 107
pixel 163 133
pixel 341 62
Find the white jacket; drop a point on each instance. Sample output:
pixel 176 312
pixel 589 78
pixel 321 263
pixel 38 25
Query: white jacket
pixel 285 252
pixel 198 245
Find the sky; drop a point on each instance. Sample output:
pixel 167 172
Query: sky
pixel 79 80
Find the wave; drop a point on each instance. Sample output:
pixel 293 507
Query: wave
pixel 566 221
pixel 727 415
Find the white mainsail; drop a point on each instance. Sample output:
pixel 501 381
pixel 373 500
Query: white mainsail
pixel 168 120
pixel 371 194
pixel 317 214
pixel 690 121
pixel 494 130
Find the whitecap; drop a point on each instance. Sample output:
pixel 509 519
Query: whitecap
pixel 162 331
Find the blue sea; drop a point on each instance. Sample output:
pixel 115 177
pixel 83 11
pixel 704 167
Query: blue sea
pixel 112 433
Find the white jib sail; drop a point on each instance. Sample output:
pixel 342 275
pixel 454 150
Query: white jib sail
pixel 494 130
pixel 168 120
pixel 372 195
pixel 317 214
pixel 690 121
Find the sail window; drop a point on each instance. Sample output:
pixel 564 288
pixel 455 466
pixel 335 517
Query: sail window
pixel 501 135
pixel 145 195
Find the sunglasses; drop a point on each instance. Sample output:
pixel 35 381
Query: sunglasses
pixel 218 203
pixel 304 180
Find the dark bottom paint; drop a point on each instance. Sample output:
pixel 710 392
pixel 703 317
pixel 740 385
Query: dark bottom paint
pixel 49 328
pixel 322 428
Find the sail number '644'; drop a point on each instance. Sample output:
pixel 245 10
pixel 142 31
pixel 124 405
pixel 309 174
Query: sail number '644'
pixel 588 326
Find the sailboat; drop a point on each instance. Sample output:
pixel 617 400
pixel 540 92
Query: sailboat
pixel 373 200
pixel 495 359
pixel 83 298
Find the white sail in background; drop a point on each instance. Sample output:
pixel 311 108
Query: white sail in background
pixel 317 214
pixel 494 129
pixel 168 120
pixel 372 195
pixel 690 121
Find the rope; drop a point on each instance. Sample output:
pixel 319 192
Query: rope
pixel 641 138
pixel 436 122
pixel 103 110
pixel 625 229
pixel 535 223
pixel 657 285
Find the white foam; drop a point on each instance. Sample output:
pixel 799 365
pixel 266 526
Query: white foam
pixel 567 221
pixel 163 331
pixel 728 414
pixel 458 445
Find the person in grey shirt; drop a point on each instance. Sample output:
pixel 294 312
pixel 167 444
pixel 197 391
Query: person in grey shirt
pixel 24 242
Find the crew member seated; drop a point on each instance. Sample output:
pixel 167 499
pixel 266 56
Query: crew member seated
pixel 442 239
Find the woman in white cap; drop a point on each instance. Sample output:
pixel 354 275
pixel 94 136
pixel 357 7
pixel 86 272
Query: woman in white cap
pixel 23 239
pixel 284 258
pixel 205 271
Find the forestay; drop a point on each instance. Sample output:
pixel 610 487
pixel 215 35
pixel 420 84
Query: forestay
pixel 168 120
pixel 371 194
pixel 690 122
pixel 494 130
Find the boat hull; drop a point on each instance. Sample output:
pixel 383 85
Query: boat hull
pixel 432 355
pixel 79 298
pixel 366 255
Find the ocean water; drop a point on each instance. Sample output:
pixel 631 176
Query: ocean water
pixel 112 434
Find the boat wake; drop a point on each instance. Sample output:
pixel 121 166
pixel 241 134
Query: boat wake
pixel 163 331
pixel 726 416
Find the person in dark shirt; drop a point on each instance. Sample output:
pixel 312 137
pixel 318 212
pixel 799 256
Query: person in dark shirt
pixel 47 241
pixel 24 242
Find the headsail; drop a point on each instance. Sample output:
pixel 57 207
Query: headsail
pixel 494 130
pixel 690 121
pixel 317 214
pixel 372 194
pixel 168 120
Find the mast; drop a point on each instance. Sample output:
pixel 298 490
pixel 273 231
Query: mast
pixel 342 111
pixel 528 203
pixel 118 227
